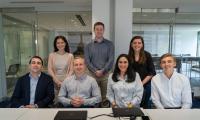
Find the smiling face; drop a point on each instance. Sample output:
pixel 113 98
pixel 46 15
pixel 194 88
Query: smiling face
pixel 137 45
pixel 123 64
pixel 168 64
pixel 60 44
pixel 35 66
pixel 79 66
pixel 99 31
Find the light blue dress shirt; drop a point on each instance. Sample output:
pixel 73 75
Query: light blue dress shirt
pixel 33 85
pixel 85 87
pixel 123 92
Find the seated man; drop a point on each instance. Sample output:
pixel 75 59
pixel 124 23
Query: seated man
pixel 79 90
pixel 170 89
pixel 35 89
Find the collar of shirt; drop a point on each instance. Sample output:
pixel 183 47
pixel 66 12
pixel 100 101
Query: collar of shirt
pixel 82 77
pixel 121 79
pixel 35 78
pixel 174 73
pixel 99 40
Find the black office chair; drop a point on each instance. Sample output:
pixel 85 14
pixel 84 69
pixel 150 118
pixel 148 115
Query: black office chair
pixel 12 70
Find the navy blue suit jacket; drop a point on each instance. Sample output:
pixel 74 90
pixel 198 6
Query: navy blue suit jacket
pixel 44 93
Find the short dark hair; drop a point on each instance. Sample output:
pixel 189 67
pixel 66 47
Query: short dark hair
pixel 64 39
pixel 167 55
pixel 38 57
pixel 98 23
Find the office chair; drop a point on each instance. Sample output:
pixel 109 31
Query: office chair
pixel 12 70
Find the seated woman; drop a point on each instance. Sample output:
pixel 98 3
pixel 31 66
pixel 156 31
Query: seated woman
pixel 124 85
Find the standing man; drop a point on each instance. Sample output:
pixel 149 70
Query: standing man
pixel 35 89
pixel 99 56
pixel 79 90
pixel 170 90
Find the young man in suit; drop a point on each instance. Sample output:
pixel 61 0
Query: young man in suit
pixel 35 89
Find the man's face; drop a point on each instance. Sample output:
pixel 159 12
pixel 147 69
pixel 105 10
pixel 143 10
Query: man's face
pixel 79 66
pixel 167 64
pixel 99 31
pixel 35 65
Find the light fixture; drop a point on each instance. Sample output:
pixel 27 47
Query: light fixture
pixel 80 20
pixel 155 10
pixel 28 2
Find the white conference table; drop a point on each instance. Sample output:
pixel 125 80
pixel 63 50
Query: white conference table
pixel 173 114
pixel 49 114
pixel 11 114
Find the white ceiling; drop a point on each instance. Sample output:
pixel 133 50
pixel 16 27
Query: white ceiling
pixel 62 5
pixel 60 19
pixel 49 5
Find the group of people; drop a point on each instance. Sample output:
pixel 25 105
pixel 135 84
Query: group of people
pixel 77 81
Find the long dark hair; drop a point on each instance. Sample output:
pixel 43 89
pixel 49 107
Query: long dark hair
pixel 131 52
pixel 130 72
pixel 66 43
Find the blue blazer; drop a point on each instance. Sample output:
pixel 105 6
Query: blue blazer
pixel 44 93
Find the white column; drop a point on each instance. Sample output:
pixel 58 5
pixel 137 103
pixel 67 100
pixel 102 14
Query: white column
pixel 3 89
pixel 101 12
pixel 123 25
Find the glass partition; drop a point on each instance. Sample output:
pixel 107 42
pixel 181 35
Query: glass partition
pixel 19 45
pixel 177 33
pixel 32 33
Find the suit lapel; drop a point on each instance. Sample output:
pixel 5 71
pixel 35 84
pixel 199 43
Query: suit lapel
pixel 27 88
pixel 38 87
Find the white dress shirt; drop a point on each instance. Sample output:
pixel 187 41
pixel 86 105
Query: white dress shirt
pixel 123 92
pixel 173 92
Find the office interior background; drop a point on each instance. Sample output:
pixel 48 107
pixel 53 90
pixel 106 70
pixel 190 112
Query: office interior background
pixel 28 27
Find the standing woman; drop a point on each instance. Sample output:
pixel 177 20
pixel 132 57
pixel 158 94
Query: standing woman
pixel 60 63
pixel 124 85
pixel 142 63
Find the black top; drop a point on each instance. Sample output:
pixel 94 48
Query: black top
pixel 144 69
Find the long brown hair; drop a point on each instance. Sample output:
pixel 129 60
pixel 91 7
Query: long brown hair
pixel 64 39
pixel 131 53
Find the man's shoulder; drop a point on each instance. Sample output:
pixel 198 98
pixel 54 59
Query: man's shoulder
pixel 180 76
pixel 90 78
pixel 45 75
pixel 25 76
pixel 107 41
pixel 69 79
pixel 157 77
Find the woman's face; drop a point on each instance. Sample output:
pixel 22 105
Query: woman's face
pixel 137 45
pixel 60 44
pixel 123 64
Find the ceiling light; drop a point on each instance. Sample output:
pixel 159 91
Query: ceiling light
pixel 28 2
pixel 79 17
